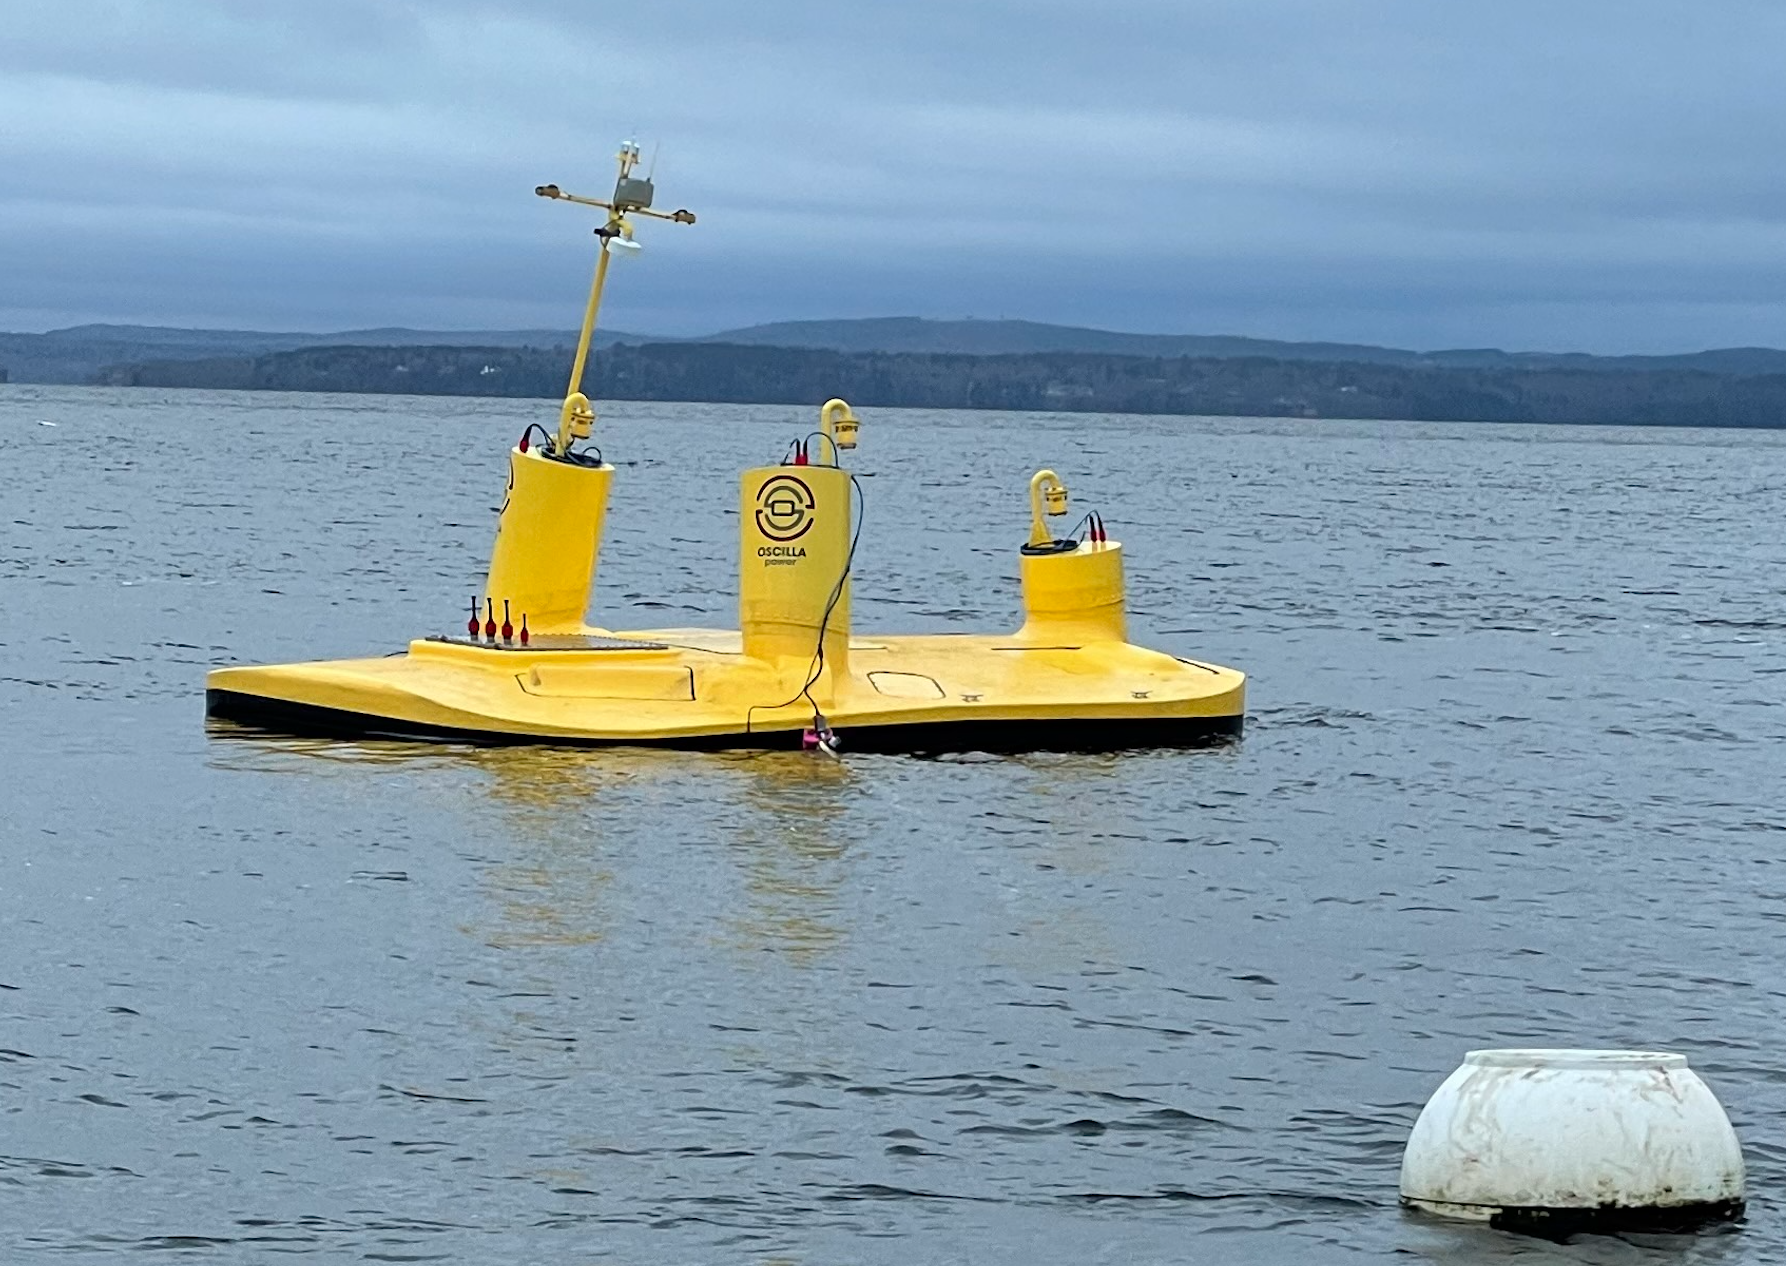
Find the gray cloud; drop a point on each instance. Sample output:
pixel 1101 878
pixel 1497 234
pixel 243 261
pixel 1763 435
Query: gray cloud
pixel 1596 175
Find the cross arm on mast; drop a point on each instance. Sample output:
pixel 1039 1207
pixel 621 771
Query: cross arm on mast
pixel 553 191
pixel 680 215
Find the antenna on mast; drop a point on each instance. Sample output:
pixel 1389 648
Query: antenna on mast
pixel 632 196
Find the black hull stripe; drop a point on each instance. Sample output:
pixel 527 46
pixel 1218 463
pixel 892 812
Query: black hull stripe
pixel 1100 735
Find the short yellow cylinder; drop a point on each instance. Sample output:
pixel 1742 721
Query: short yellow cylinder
pixel 1075 597
pixel 548 540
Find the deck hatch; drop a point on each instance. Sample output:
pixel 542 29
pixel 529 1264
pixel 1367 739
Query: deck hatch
pixel 658 683
pixel 906 685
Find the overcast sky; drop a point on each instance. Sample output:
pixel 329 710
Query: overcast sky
pixel 1596 174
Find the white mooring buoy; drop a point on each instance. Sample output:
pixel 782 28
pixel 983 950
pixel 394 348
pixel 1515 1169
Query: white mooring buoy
pixel 1555 1142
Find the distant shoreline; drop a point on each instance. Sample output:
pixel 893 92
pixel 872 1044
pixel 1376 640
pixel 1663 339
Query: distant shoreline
pixel 1039 382
pixel 909 361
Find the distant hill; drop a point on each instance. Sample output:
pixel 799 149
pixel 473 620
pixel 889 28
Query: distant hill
pixel 232 340
pixel 78 353
pixel 1078 382
pixel 1001 338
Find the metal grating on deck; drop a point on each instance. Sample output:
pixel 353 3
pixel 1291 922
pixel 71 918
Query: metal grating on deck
pixel 557 642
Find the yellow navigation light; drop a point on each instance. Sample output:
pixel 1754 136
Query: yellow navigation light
pixel 1047 495
pixel 839 424
pixel 577 418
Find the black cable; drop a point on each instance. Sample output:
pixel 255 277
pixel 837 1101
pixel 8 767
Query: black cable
pixel 829 439
pixel 569 457
pixel 590 457
pixel 1071 541
pixel 849 562
pixel 817 668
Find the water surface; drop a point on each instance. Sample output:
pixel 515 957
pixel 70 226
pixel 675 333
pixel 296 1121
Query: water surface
pixel 1513 776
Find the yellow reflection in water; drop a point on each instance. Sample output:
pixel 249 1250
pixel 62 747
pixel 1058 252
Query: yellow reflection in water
pixel 553 886
pixel 782 815
pixel 793 841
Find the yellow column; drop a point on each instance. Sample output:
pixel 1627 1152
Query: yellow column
pixel 794 540
pixel 548 540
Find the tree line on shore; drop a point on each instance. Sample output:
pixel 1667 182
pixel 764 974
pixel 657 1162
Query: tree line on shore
pixel 1046 381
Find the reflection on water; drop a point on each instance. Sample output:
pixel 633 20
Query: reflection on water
pixel 546 819
pixel 559 809
pixel 556 901
pixel 793 841
pixel 539 788
pixel 250 749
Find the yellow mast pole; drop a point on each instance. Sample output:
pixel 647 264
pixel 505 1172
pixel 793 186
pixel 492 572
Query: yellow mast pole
pixel 595 302
pixel 577 418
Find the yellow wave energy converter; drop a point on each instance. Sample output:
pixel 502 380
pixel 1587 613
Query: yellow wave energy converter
pixel 529 669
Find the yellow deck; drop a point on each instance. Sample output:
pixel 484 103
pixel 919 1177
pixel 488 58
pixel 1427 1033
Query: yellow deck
pixel 696 687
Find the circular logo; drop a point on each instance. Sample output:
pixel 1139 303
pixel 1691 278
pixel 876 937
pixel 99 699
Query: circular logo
pixel 784 508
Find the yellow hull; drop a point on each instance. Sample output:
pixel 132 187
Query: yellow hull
pixel 698 688
pixel 1067 679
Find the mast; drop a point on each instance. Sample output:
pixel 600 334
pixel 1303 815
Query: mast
pixel 632 196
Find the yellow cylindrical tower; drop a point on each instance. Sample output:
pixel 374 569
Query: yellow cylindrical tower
pixel 1072 592
pixel 1074 597
pixel 794 545
pixel 547 542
